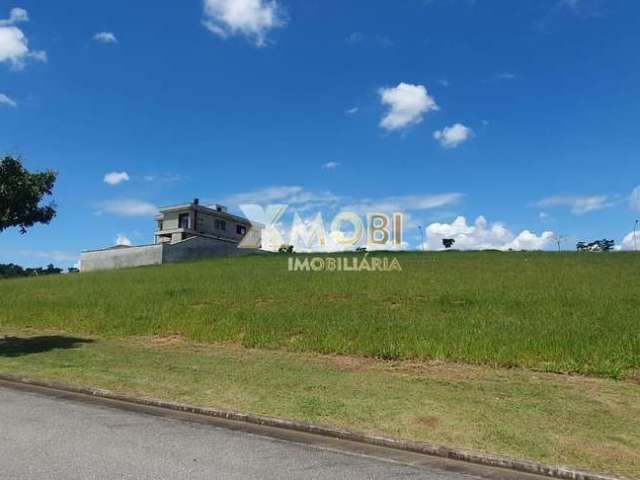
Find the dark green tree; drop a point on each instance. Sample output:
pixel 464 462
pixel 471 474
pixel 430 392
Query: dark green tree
pixel 21 193
pixel 11 271
pixel 448 242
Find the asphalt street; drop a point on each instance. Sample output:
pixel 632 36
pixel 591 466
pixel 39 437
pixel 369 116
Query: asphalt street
pixel 50 438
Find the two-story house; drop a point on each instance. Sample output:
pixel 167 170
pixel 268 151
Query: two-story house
pixel 179 222
pixel 184 232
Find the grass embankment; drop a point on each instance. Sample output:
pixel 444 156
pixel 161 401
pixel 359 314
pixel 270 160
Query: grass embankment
pixel 588 423
pixel 419 354
pixel 570 312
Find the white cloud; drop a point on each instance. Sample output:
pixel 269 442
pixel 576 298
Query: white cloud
pixel 581 8
pixel 634 199
pixel 482 236
pixel 527 240
pixel 407 104
pixel 352 111
pixel 310 204
pixel 116 178
pixel 251 18
pixel 354 38
pixel 577 205
pixel 631 241
pixel 301 199
pixel 51 255
pixel 6 101
pixel 331 165
pixel 451 137
pixel 105 37
pixel 383 41
pixel 506 76
pixel 128 208
pixel 265 195
pixel 404 203
pixel 295 196
pixel 14 45
pixel 16 15
pixel 40 56
pixel 570 3
pixel 304 235
pixel 122 239
pixel 164 178
pixel 359 38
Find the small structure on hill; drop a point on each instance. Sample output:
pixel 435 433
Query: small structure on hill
pixel 184 232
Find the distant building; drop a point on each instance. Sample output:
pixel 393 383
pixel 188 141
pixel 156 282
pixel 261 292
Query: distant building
pixel 184 232
pixel 180 222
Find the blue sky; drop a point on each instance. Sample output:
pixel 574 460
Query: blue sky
pixel 522 113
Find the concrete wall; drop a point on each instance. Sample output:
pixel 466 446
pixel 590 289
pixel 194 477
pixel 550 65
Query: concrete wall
pixel 196 248
pixel 121 258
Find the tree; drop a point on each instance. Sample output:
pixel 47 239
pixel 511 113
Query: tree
pixel 606 245
pixel 448 242
pixel 285 249
pixel 10 271
pixel 21 193
pixel 603 245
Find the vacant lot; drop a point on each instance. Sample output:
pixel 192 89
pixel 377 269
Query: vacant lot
pixel 567 313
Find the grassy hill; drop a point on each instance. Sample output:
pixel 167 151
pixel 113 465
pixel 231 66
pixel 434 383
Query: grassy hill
pixel 555 312
pixel 245 334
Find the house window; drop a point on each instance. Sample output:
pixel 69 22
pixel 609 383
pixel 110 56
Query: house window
pixel 220 224
pixel 241 229
pixel 183 220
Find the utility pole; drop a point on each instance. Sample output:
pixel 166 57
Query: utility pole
pixel 635 238
pixel 559 239
pixel 421 235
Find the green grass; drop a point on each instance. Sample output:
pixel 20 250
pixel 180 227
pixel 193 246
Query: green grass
pixel 577 313
pixel 586 423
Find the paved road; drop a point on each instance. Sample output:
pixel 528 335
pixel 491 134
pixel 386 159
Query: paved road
pixel 51 438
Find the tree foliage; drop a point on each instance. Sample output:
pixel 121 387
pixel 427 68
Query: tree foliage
pixel 448 242
pixel 285 249
pixel 21 193
pixel 603 245
pixel 12 271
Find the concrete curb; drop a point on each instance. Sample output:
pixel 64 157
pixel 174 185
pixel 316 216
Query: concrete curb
pixel 554 471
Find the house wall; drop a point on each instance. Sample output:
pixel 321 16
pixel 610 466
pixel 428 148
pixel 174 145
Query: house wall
pixel 121 258
pixel 170 220
pixel 206 224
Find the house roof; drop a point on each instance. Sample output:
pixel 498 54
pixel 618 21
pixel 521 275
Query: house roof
pixel 203 209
